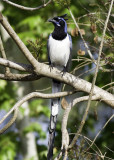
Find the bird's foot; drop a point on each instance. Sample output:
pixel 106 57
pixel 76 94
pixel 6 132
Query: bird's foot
pixel 51 67
pixel 63 71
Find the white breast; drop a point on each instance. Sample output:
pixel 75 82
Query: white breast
pixel 59 51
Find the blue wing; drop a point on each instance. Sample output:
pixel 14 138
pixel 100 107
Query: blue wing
pixel 48 49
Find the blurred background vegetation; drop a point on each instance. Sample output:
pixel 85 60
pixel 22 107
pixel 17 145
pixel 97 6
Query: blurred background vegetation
pixel 33 119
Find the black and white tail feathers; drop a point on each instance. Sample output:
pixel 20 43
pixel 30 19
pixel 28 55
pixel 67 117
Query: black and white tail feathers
pixel 55 103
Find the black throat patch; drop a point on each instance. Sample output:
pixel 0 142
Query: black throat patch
pixel 59 33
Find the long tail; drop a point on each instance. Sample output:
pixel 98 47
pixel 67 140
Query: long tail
pixel 55 103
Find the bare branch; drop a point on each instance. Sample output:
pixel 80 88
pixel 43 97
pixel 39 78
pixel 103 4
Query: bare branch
pixel 3 54
pixel 18 66
pixel 86 46
pixel 87 139
pixel 101 130
pixel 65 155
pixel 10 122
pixel 58 156
pixel 112 83
pixel 35 95
pixel 20 77
pixel 65 136
pixel 44 70
pixel 18 41
pixel 27 8
pixel 93 82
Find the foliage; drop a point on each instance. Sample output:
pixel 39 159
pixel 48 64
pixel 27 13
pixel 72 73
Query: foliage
pixel 35 127
pixel 33 28
pixel 6 99
pixel 64 3
pixel 38 108
pixel 36 47
pixel 8 146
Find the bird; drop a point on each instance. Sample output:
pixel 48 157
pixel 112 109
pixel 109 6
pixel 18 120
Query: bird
pixel 59 48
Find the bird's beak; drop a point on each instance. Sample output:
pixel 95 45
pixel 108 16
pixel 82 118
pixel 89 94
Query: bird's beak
pixel 51 20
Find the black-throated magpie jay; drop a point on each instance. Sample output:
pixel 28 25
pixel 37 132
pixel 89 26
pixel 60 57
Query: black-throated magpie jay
pixel 59 53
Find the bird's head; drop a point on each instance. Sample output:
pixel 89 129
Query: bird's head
pixel 59 22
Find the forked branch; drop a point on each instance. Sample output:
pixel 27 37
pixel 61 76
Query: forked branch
pixel 27 8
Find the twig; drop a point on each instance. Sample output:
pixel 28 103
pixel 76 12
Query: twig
pixel 35 95
pixel 83 64
pixel 18 41
pixel 20 77
pixel 42 90
pixel 109 149
pixel 65 136
pixel 65 155
pixel 99 154
pixel 17 66
pixel 108 84
pixel 27 8
pixel 101 130
pixel 43 69
pixel 58 156
pixel 93 82
pixel 10 122
pixel 86 46
pixel 3 54
pixel 89 70
pixel 87 139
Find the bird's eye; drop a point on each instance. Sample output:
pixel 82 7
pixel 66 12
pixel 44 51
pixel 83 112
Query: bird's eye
pixel 56 18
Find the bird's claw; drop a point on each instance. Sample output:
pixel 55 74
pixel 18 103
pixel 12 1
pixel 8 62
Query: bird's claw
pixel 63 71
pixel 50 67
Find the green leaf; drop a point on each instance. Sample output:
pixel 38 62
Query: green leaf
pixel 37 108
pixel 3 84
pixel 35 127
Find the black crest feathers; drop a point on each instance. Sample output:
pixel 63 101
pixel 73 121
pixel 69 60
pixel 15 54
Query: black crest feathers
pixel 63 16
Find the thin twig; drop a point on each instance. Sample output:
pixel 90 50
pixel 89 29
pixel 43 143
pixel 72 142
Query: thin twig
pixel 83 64
pixel 17 66
pixel 108 84
pixel 89 70
pixel 20 77
pixel 109 149
pixel 43 69
pixel 65 155
pixel 18 41
pixel 3 54
pixel 42 90
pixel 94 80
pixel 88 139
pixel 58 156
pixel 65 136
pixel 101 130
pixel 10 122
pixel 27 8
pixel 86 46
pixel 35 95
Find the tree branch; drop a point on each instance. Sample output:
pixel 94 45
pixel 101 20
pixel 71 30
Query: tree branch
pixel 3 54
pixel 18 41
pixel 27 8
pixel 44 70
pixel 93 82
pixel 20 77
pixel 86 46
pixel 18 66
pixel 35 95
pixel 65 136
pixel 101 130
pixel 10 122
